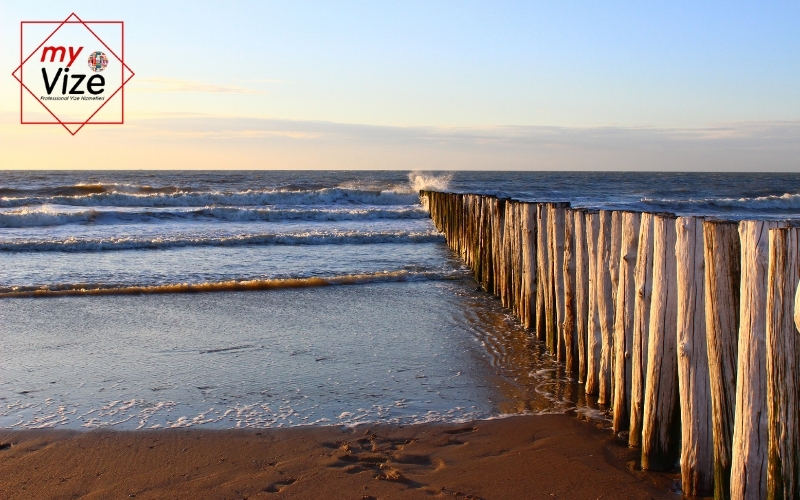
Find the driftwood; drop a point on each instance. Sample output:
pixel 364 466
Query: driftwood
pixel 697 450
pixel 581 290
pixel 643 281
pixel 722 269
pixel 569 324
pixel 623 319
pixel 749 457
pixel 661 425
pixel 594 335
pixel 605 304
pixel 783 365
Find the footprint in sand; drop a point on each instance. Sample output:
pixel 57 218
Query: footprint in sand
pixel 279 486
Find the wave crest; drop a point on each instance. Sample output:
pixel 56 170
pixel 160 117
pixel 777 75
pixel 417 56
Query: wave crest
pixel 325 196
pixel 182 240
pixel 221 286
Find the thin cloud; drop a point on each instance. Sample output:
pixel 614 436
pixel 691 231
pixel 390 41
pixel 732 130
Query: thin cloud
pixel 158 84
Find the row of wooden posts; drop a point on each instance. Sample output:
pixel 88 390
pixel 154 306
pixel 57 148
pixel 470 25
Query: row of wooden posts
pixel 684 327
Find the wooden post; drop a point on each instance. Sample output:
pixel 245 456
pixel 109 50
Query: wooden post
pixel 697 455
pixel 507 261
pixel 623 319
pixel 516 260
pixel 783 365
pixel 594 335
pixel 568 325
pixel 605 305
pixel 528 263
pixel 722 269
pixel 749 458
pixel 555 329
pixel 661 426
pixel 498 225
pixel 643 281
pixel 581 290
pixel 543 266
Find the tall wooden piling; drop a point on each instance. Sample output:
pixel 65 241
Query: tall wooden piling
pixel 528 216
pixel 661 425
pixel 543 266
pixel 722 268
pixel 594 335
pixel 643 282
pixel 605 304
pixel 623 319
pixel 749 458
pixel 581 290
pixel 783 365
pixel 556 237
pixel 697 455
pixel 569 325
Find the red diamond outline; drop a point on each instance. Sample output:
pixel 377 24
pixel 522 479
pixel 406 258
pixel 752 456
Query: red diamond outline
pixel 121 87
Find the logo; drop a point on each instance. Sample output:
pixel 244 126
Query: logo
pixel 56 91
pixel 98 61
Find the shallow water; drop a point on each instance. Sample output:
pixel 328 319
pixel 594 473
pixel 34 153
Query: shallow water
pixel 391 352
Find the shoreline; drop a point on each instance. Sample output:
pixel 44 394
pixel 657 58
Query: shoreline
pixel 529 456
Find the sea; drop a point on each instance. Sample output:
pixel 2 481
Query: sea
pixel 238 299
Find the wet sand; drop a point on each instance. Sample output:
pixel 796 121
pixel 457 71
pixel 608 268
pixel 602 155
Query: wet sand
pixel 549 456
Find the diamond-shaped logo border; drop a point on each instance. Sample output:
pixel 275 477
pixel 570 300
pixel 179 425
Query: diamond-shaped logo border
pixel 120 90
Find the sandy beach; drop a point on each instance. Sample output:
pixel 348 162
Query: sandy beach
pixel 548 456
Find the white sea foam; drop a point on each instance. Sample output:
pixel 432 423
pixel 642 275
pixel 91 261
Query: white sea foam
pixel 786 201
pixel 327 196
pixel 419 181
pixel 179 240
pixel 50 215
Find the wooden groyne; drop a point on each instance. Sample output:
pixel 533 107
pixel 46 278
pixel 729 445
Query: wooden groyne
pixel 687 330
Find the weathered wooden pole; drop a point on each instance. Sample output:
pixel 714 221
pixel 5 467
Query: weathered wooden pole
pixel 488 271
pixel 722 268
pixel 783 365
pixel 528 263
pixel 555 329
pixel 605 305
pixel 517 263
pixel 498 225
pixel 569 324
pixel 507 261
pixel 697 449
pixel 623 319
pixel 543 267
pixel 661 425
pixel 594 334
pixel 643 281
pixel 749 458
pixel 581 290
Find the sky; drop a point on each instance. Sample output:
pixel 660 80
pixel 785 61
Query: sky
pixel 432 85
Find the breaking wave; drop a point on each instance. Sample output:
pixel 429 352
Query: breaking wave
pixel 47 215
pixel 180 240
pixel 785 202
pixel 167 197
pixel 220 286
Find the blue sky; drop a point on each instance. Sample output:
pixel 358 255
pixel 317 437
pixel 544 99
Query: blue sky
pixel 670 67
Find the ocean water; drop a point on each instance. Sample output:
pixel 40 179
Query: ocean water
pixel 235 299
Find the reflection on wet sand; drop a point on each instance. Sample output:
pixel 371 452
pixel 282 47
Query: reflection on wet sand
pixel 525 375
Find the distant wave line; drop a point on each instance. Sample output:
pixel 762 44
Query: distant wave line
pixel 324 196
pixel 48 215
pixel 161 242
pixel 83 289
